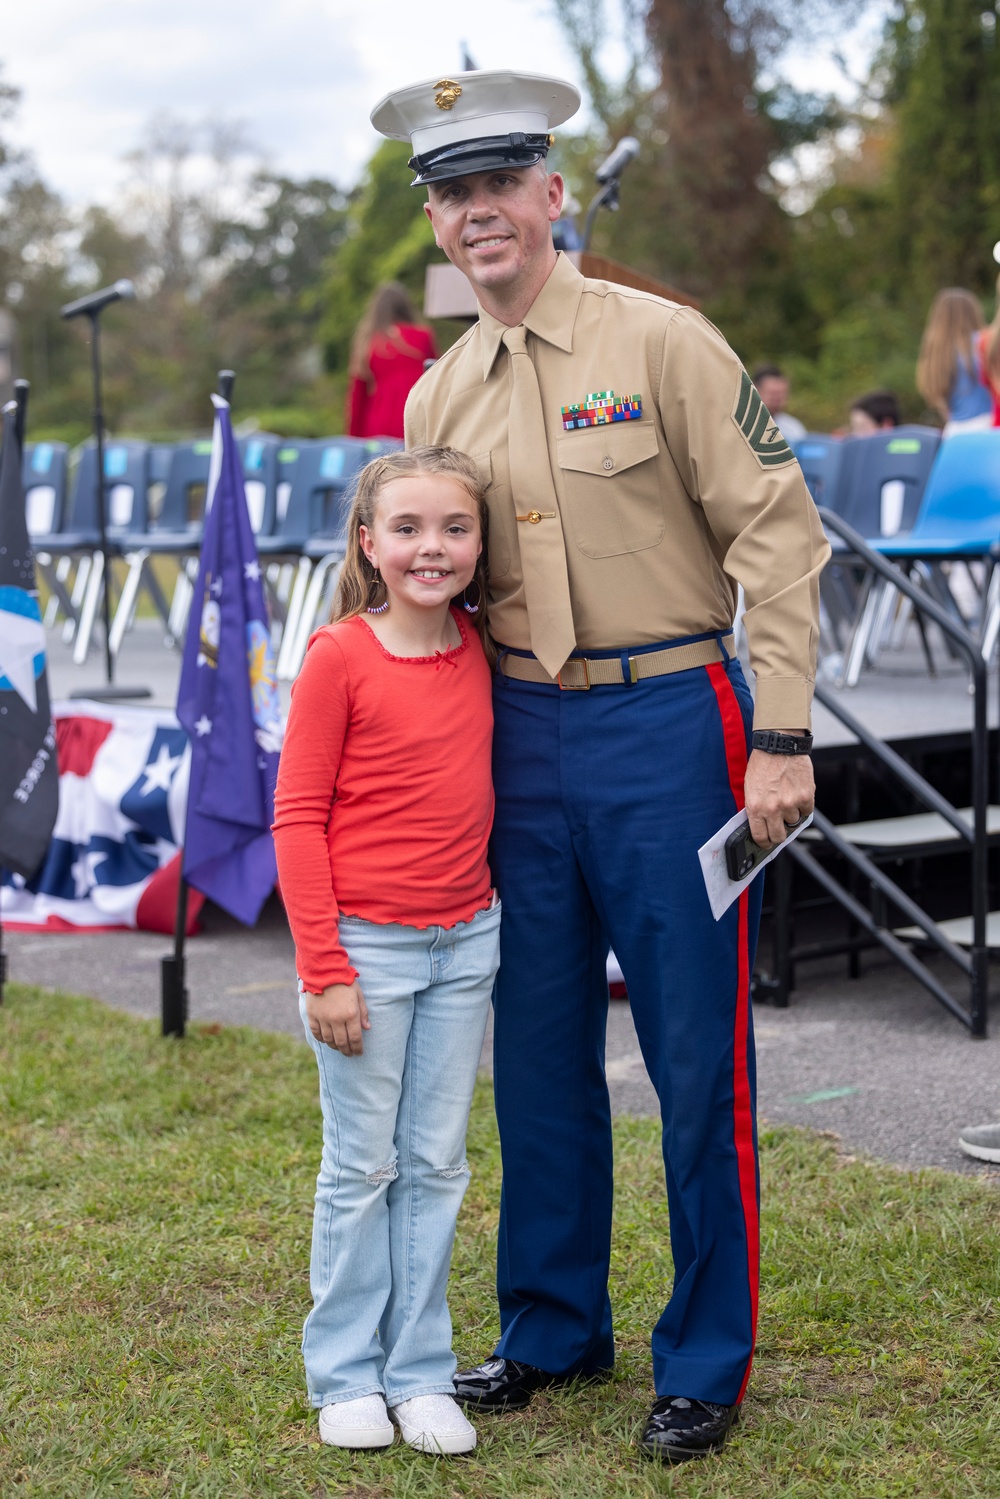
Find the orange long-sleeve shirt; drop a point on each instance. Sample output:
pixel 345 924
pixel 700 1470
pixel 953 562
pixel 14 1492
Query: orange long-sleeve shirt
pixel 384 801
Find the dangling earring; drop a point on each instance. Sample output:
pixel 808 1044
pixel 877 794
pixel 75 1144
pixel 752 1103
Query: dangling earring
pixel 379 608
pixel 472 608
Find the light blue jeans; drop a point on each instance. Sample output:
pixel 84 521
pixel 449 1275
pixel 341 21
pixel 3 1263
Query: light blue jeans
pixel 393 1172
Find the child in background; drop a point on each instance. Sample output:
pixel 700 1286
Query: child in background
pixel 387 359
pixel 876 411
pixel 948 372
pixel 383 809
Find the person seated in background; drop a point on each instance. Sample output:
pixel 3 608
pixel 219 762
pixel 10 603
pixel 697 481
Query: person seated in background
pixel 772 387
pixel 875 412
pixel 948 371
pixel 387 360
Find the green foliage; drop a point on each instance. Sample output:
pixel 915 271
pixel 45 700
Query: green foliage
pixel 270 276
pixel 946 177
pixel 388 238
pixel 154 1247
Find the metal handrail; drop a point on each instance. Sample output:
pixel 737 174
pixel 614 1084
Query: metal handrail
pixel 888 887
pixel 976 1019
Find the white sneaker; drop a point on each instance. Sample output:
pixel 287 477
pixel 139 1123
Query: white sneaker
pixel 356 1423
pixel 981 1141
pixel 434 1423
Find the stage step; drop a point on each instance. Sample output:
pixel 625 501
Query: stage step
pixel 920 830
pixel 958 930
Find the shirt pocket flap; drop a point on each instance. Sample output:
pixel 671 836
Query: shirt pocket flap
pixel 484 463
pixel 608 449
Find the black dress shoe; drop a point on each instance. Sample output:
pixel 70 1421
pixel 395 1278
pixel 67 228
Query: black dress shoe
pixel 501 1384
pixel 679 1428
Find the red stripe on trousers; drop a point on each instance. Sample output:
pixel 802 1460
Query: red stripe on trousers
pixel 734 736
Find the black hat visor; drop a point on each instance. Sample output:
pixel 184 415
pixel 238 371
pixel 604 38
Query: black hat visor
pixel 487 154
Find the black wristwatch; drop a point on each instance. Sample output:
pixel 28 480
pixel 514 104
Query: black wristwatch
pixel 773 742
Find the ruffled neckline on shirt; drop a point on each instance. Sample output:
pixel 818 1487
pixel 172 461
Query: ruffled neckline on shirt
pixel 439 658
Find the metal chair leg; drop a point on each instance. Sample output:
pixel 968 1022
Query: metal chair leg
pixel 295 605
pixel 135 562
pixel 854 658
pixel 88 611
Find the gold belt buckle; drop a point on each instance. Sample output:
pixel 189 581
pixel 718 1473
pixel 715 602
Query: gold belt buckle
pixel 583 686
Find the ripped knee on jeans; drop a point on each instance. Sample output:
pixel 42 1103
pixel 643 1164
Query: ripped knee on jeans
pixel 447 1172
pixel 386 1173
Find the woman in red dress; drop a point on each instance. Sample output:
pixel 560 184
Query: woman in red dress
pixel 387 360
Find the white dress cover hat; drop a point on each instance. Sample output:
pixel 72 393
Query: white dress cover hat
pixel 475 122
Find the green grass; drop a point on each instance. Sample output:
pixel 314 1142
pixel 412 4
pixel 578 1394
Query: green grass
pixel 154 1228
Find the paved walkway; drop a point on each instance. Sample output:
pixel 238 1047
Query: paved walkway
pixel 877 1060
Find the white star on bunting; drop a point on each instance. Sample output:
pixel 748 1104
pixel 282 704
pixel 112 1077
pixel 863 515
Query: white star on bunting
pixel 203 726
pixel 159 773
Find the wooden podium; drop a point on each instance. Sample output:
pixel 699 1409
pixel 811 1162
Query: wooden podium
pixel 447 294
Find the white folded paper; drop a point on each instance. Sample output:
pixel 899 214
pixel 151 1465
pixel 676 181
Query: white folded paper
pixel 722 891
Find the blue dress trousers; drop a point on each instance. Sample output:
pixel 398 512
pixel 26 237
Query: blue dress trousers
pixel 603 798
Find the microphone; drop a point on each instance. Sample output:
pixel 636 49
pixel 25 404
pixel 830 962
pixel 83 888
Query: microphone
pixel 122 291
pixel 626 150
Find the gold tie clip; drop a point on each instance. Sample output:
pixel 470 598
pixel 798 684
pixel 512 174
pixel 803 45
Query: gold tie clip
pixel 534 516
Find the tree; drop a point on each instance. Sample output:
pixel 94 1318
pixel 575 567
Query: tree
pixel 944 85
pixel 388 238
pixel 701 208
pixel 34 266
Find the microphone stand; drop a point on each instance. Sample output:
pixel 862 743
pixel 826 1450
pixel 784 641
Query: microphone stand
pixel 605 197
pixel 110 692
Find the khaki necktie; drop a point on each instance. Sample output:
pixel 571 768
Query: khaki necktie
pixel 539 529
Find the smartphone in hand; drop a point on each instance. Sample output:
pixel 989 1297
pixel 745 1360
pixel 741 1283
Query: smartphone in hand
pixel 743 854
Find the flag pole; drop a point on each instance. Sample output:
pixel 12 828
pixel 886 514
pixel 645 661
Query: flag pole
pixel 21 389
pixel 173 989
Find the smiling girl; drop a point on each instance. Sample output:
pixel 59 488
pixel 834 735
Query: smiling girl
pixel 383 809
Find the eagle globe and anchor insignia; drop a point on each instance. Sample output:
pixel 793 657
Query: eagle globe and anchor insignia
pixel 446 92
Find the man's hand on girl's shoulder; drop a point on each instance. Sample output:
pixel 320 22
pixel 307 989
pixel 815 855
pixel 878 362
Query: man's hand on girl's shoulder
pixel 338 1016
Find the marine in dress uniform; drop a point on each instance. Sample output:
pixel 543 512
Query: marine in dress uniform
pixel 633 479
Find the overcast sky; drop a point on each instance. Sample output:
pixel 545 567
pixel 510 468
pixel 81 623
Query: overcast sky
pixel 302 74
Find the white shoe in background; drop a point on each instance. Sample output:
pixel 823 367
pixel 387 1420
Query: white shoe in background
pixel 981 1141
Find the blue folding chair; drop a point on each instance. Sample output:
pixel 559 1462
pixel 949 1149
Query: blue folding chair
pixel 44 474
pixel 958 521
pixel 45 478
pixel 259 457
pixel 325 486
pixel 819 457
pixel 883 477
pixel 126 475
pixel 880 487
pixel 168 523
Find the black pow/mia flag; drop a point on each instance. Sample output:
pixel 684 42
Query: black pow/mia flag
pixel 29 775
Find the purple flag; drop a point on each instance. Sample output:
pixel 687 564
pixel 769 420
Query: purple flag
pixel 228 701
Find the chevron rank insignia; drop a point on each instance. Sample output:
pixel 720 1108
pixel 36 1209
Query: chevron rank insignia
pixel 763 436
pixel 601 407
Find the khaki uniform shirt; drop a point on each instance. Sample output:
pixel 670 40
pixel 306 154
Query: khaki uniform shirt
pixel 662 515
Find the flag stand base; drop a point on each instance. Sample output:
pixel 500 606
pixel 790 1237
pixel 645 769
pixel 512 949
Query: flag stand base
pixel 109 693
pixel 173 996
